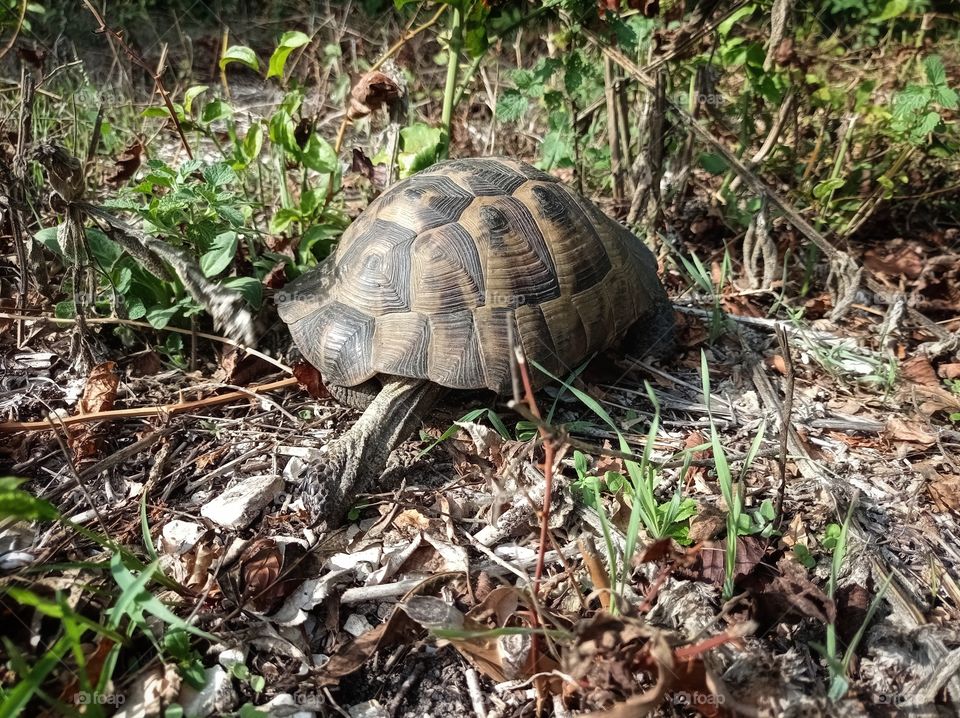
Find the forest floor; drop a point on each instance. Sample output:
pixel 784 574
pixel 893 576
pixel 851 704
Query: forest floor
pixel 777 535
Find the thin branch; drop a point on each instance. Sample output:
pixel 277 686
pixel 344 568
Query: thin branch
pixel 147 411
pixel 140 62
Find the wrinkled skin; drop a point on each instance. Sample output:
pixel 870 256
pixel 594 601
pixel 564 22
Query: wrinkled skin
pixel 356 460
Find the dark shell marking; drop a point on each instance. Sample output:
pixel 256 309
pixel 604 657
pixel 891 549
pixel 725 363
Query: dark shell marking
pixel 425 283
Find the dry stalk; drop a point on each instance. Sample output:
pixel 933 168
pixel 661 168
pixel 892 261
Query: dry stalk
pixel 845 273
pixel 138 60
pixel 613 134
pixel 146 411
pixel 786 411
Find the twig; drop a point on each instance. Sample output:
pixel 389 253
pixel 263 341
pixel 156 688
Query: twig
pixel 147 411
pixel 785 415
pixel 476 695
pixel 16 31
pixel 21 242
pixel 140 62
pixel 613 135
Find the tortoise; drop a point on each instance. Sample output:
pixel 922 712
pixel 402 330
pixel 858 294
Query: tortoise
pixel 428 285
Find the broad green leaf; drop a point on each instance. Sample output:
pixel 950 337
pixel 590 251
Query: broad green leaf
pixel 252 142
pixel 935 71
pixel 893 8
pixel 21 505
pixel 159 317
pixel 828 186
pixel 418 137
pixel 249 288
pixel 48 238
pixel 220 254
pixel 190 95
pixel 288 43
pixel 282 219
pixel 281 131
pixel 512 106
pixel 216 110
pixel 65 310
pixel 155 112
pixel 713 163
pixel 242 54
pixel 556 149
pixel 726 26
pixel 318 155
pixel 219 174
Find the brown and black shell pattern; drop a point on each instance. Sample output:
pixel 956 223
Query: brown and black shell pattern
pixel 425 282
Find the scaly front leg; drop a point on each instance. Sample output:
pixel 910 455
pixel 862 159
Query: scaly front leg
pixel 356 460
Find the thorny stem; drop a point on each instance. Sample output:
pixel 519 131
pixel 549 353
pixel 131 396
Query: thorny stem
pixel 138 60
pixel 449 90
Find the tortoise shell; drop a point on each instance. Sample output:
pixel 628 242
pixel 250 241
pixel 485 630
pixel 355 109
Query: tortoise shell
pixel 427 279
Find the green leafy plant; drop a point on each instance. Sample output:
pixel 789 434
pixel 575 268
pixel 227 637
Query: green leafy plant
pixel 917 111
pixel 738 522
pixel 836 540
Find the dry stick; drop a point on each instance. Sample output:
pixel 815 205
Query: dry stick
pixel 139 61
pixel 16 31
pixel 548 455
pixel 17 198
pixel 613 136
pixel 785 414
pixel 769 143
pixel 146 412
pixel 837 257
pixel 144 325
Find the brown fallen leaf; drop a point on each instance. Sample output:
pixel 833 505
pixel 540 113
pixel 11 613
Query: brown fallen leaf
pixel 239 368
pixel 100 391
pixel 371 92
pixel 919 370
pixel 949 371
pixel 853 604
pixel 127 164
pixel 708 524
pixel 309 378
pixel 398 628
pixel 944 489
pixel 912 432
pixel 903 260
pixel 99 394
pixel 609 653
pixel 787 595
pixel 710 565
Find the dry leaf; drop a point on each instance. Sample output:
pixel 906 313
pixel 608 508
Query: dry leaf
pixel 944 489
pixel 372 91
pixel 399 628
pixel 912 433
pixel 309 378
pixel 99 393
pixel 127 164
pixel 919 370
pixel 903 260
pixel 949 371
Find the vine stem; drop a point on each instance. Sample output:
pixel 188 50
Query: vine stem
pixel 450 88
